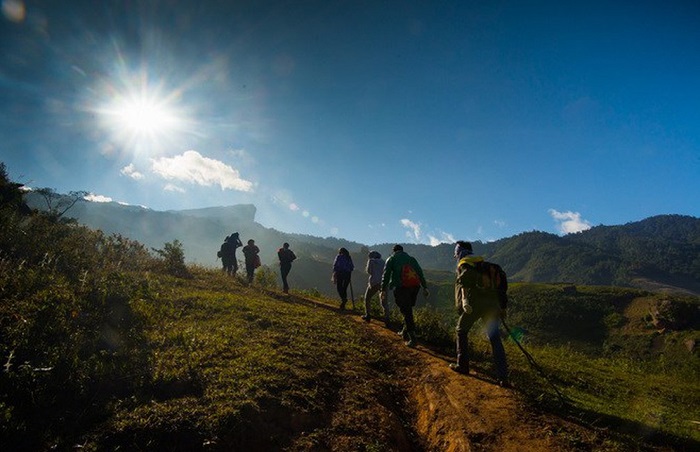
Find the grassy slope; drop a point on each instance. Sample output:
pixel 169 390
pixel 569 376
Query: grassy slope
pixel 233 367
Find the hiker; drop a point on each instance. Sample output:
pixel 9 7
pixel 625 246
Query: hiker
pixel 342 273
pixel 375 268
pixel 252 259
pixel 403 273
pixel 228 253
pixel 479 296
pixel 286 256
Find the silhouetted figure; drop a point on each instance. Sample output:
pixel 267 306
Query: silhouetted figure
pixel 342 273
pixel 228 253
pixel 286 257
pixel 403 273
pixel 375 269
pixel 252 259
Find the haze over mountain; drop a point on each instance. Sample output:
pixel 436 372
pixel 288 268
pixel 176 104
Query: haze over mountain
pixel 661 252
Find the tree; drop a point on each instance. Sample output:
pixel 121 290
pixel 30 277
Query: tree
pixel 57 204
pixel 11 194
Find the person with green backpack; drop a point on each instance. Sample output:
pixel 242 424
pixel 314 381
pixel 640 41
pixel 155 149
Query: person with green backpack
pixel 403 273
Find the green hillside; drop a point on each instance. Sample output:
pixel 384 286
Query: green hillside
pixel 108 345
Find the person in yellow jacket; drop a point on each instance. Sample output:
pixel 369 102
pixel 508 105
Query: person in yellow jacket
pixel 475 300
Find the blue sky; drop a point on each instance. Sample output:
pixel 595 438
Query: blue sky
pixel 377 122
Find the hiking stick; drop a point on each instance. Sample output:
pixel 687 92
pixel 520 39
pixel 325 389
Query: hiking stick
pixel 352 295
pixel 533 363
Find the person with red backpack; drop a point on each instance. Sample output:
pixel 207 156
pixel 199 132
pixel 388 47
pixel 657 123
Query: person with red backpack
pixel 480 293
pixel 403 273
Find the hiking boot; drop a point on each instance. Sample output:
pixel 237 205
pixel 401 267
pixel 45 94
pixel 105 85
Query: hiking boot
pixel 504 384
pixel 366 318
pixel 459 369
pixel 411 336
pixel 342 305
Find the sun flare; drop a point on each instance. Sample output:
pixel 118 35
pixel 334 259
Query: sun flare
pixel 144 116
pixel 139 115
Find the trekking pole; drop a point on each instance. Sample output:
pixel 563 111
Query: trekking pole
pixel 352 295
pixel 534 364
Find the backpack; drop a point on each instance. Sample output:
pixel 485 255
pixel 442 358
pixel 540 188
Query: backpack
pixel 491 276
pixel 409 276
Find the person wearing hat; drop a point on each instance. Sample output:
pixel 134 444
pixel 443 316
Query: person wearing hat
pixel 375 268
pixel 403 273
pixel 475 301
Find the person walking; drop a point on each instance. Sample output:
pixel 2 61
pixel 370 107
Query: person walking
pixel 375 269
pixel 252 259
pixel 403 273
pixel 228 253
pixel 286 257
pixel 342 273
pixel 474 300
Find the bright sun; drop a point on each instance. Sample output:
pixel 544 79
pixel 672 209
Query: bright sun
pixel 144 116
pixel 140 117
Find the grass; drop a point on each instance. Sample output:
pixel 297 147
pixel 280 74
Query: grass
pixel 235 368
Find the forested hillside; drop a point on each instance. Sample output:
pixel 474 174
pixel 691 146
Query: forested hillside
pixel 658 253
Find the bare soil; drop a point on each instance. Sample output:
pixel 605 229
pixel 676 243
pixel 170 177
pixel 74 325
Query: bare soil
pixel 456 412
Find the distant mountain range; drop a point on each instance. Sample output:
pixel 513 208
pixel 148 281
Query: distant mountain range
pixel 658 253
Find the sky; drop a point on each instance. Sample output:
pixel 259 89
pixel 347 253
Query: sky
pixel 376 122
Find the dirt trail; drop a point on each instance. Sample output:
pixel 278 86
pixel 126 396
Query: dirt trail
pixel 461 413
pixel 456 412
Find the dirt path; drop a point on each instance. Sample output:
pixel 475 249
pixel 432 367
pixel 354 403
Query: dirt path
pixel 455 412
pixel 462 413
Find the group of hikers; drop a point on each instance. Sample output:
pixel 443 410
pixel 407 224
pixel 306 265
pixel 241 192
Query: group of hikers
pixel 251 253
pixel 480 291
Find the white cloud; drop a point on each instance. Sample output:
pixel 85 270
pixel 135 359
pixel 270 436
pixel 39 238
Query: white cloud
pixel 130 171
pixel 194 168
pixel 413 231
pixel 97 198
pixel 173 187
pixel 500 223
pixel 444 237
pixel 569 222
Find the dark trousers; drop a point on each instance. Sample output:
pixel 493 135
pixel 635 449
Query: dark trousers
pixel 284 271
pixel 230 265
pixel 488 311
pixel 342 281
pixel 250 270
pixel 405 299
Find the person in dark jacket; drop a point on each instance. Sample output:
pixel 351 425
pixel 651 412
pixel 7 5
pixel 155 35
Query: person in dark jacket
pixel 342 273
pixel 403 273
pixel 286 257
pixel 228 253
pixel 252 259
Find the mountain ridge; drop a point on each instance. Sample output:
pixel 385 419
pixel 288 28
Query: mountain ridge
pixel 659 252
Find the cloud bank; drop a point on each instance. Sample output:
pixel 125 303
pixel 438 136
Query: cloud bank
pixel 569 222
